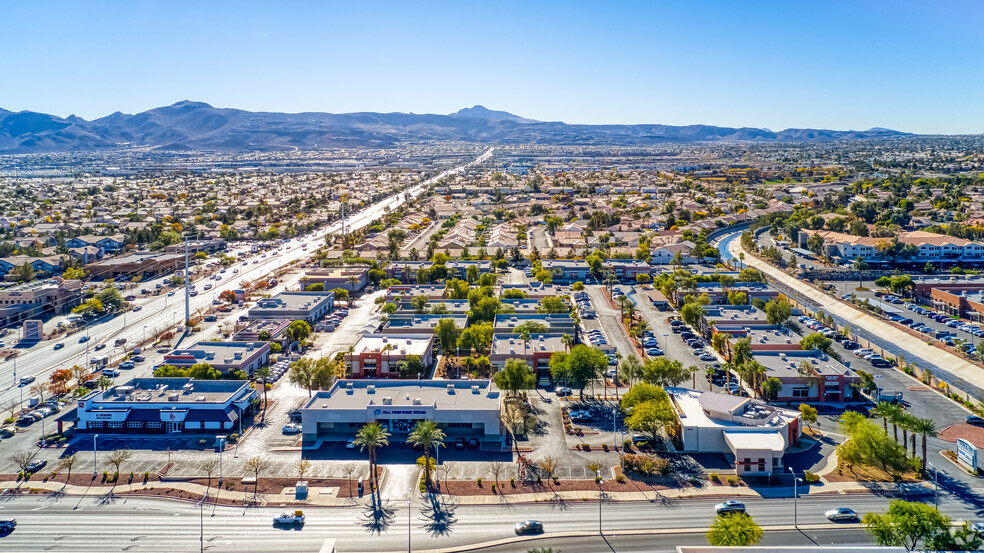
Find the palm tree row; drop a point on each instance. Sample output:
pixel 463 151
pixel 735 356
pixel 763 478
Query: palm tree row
pixel 373 436
pixel 899 418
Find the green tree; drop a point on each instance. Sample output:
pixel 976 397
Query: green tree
pixel 516 375
pixel 263 374
pixel 419 303
pixel 869 445
pixel 447 333
pixel 926 428
pixel 692 313
pixel 426 434
pixel 552 304
pixel 372 436
pixel 816 341
pixel 778 310
pixel 297 331
pixel 111 298
pixel 734 530
pixel 641 393
pixel 809 414
pixel 579 367
pixel 905 523
pixel 389 308
pixel 652 417
pixel 664 372
pixel 477 338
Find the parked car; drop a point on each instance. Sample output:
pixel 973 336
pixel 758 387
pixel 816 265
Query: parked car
pixel 563 391
pixel 974 420
pixel 36 465
pixel 729 506
pixel 459 443
pixel 292 428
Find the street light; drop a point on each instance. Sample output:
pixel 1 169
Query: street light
pixel 936 486
pixel 409 506
pixel 600 496
pixel 94 470
pixel 795 497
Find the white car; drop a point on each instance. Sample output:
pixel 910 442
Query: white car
pixel 292 428
pixel 289 517
pixel 730 506
pixel 841 513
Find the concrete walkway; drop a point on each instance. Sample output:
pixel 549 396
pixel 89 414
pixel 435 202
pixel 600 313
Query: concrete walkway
pixel 949 363
pixel 328 497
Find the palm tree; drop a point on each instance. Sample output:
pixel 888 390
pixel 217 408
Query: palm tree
pixel 741 259
pixel 426 434
pixel 927 429
pixel 372 436
pixel 883 410
pixel 525 335
pixel 262 374
pixel 694 369
pixel 860 266
pixel 568 341
pixel 895 417
pixel 709 370
pixel 906 422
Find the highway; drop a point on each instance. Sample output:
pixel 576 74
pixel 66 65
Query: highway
pixel 161 312
pixel 137 524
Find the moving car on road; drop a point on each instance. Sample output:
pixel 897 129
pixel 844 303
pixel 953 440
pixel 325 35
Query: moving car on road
pixel 8 525
pixel 841 513
pixel 729 506
pixel 289 517
pixel 529 527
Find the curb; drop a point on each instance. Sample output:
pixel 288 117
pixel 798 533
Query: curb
pixel 645 532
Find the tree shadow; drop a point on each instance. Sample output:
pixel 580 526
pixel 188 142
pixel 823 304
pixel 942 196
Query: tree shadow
pixel 438 515
pixel 107 498
pixel 377 517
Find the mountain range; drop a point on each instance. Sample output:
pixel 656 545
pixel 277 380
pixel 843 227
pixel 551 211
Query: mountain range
pixel 191 125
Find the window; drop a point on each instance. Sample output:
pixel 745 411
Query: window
pixel 134 424
pixel 116 424
pixel 154 424
pixel 801 392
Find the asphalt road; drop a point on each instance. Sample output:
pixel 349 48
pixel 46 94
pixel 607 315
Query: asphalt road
pixel 108 524
pixel 161 312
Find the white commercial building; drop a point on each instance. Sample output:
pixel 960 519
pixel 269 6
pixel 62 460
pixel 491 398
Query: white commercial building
pixel 463 408
pixel 754 435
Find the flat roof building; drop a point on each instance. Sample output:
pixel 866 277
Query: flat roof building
pixel 38 298
pixel 352 279
pixel 166 406
pixel 468 409
pixel 306 306
pixel 145 264
pixel 753 435
pixel 406 323
pixel 224 356
pixel 377 355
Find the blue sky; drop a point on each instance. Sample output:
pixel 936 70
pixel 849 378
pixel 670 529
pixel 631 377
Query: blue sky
pixel 907 65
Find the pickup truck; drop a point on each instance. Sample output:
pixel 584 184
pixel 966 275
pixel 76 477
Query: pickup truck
pixel 288 517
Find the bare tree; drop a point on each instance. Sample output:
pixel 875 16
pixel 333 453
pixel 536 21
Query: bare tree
pixel 548 465
pixel 447 467
pixel 256 465
pixel 496 468
pixel 67 463
pixel 39 389
pixel 23 458
pixel 302 467
pixel 10 406
pixel 348 471
pixel 118 457
pixel 209 467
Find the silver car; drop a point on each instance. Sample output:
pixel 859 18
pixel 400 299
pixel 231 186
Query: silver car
pixel 841 513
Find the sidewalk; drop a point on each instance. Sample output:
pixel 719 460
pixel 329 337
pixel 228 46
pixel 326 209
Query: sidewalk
pixel 328 497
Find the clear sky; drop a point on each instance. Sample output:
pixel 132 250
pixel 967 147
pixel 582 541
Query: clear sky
pixel 910 65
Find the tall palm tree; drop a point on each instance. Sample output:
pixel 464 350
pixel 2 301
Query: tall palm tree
pixel 906 422
pixel 884 411
pixel 860 266
pixel 372 436
pixel 426 434
pixel 709 371
pixel 895 417
pixel 927 429
pixel 525 335
pixel 694 369
pixel 568 341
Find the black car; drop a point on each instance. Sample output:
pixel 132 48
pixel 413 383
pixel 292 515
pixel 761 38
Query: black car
pixel 528 527
pixel 974 420
pixel 851 344
pixel 473 442
pixel 688 336
pixel 36 465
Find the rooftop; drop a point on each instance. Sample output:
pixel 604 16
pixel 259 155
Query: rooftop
pixel 785 364
pixel 163 390
pixel 511 344
pixel 403 344
pixel 294 300
pixel 441 394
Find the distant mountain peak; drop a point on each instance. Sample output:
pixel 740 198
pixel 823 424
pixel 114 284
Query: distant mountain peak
pixel 190 103
pixel 479 111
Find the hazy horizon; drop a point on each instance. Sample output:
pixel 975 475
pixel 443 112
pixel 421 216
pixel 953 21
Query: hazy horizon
pixel 905 66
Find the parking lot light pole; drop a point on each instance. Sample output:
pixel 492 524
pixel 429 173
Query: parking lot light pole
pixel 94 470
pixel 936 486
pixel 600 496
pixel 409 518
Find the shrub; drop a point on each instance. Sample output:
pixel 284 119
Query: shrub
pixel 620 478
pixel 8 420
pixel 714 477
pixel 233 438
pixel 810 477
pixel 146 476
pixel 479 480
pixel 732 481
pixel 493 488
pixel 105 475
pixel 512 482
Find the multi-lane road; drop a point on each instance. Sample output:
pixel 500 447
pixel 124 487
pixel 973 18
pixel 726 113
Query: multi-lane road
pixel 137 524
pixel 161 312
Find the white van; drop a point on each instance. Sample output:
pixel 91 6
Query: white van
pixel 112 373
